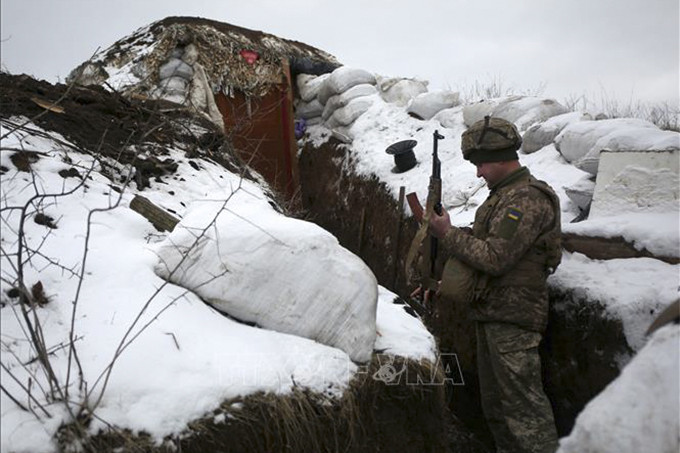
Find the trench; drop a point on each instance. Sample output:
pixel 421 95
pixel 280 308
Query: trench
pixel 582 350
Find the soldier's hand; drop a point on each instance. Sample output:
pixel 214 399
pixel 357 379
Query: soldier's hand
pixel 439 224
pixel 423 296
pixel 416 294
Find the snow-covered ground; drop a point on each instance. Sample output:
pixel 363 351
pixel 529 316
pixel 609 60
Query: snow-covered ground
pixel 171 343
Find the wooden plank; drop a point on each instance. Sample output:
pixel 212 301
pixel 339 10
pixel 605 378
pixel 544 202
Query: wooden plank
pixel 397 236
pixel 600 248
pixel 159 218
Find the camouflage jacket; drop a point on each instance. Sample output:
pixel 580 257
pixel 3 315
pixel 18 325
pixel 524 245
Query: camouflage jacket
pixel 514 246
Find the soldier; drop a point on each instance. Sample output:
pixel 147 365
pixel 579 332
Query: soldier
pixel 513 247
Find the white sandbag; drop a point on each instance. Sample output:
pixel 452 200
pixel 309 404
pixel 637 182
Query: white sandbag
pixel 342 79
pixel 309 85
pixel 314 121
pixel 343 134
pixel 628 139
pixel 178 97
pixel 176 68
pixel 346 115
pixel 525 111
pixel 174 85
pixel 543 134
pixel 281 273
pixel 579 138
pixel 309 109
pixel 477 111
pixel 427 105
pixel 450 118
pixel 401 91
pixel 340 100
pixel 190 54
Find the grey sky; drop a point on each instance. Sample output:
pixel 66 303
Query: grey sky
pixel 623 50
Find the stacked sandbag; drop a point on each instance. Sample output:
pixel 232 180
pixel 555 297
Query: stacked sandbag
pixel 580 143
pixel 543 134
pixel 174 76
pixel 343 108
pixel 341 80
pixel 307 106
pixel 426 105
pixel 477 111
pixel 400 91
pixel 183 80
pixel 336 99
pixel 523 111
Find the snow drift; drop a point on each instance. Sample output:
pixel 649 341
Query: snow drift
pixel 620 419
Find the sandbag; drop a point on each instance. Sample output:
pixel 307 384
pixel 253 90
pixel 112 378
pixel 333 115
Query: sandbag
pixel 309 85
pixel 427 105
pixel 628 139
pixel 307 110
pixel 174 85
pixel 401 91
pixel 526 111
pixel 278 272
pixel 542 134
pixel 348 114
pixel 477 111
pixel 341 80
pixel 340 100
pixel 523 111
pixel 190 54
pixel 175 68
pixel 578 139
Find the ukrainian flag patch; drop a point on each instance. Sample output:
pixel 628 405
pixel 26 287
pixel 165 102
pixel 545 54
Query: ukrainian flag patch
pixel 509 223
pixel 514 214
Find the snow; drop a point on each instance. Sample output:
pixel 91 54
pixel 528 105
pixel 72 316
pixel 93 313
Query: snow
pixel 621 419
pixel 623 287
pixel 401 335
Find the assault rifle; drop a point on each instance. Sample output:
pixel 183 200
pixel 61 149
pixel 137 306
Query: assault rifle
pixel 429 279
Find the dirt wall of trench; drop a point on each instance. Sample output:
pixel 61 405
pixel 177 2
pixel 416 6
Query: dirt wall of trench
pixel 359 211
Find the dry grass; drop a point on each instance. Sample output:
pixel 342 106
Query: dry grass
pixel 372 415
pixel 663 114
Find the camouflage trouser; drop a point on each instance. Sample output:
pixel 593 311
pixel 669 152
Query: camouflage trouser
pixel 515 406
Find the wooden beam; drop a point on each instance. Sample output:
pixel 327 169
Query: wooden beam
pixel 600 248
pixel 159 218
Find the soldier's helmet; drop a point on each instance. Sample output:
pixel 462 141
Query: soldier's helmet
pixel 491 140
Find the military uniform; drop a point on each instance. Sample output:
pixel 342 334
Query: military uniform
pixel 513 247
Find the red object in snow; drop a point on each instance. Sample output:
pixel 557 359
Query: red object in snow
pixel 250 56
